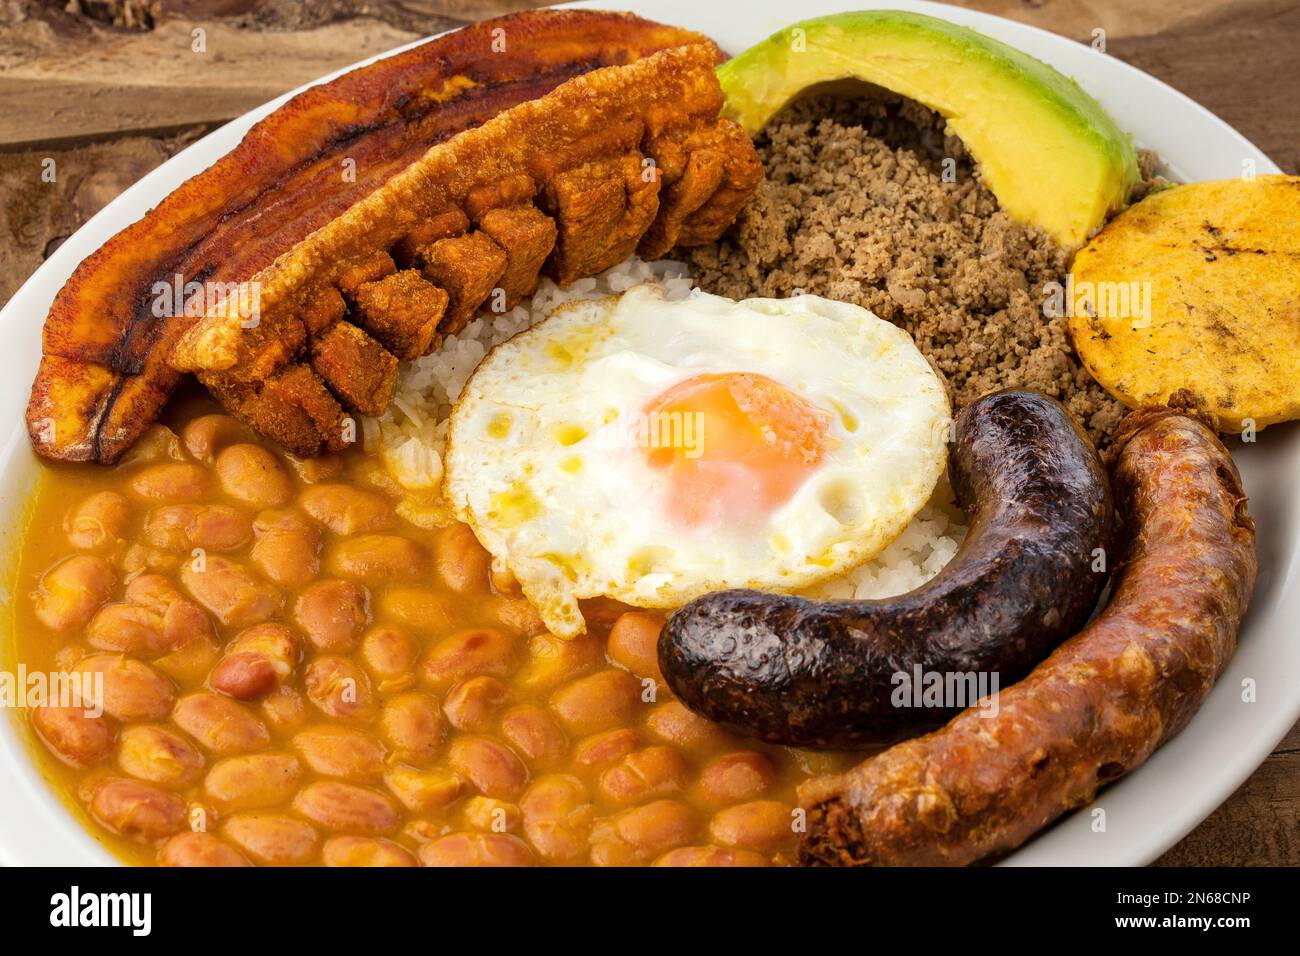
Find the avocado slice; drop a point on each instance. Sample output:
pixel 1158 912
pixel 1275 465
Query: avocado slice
pixel 1046 149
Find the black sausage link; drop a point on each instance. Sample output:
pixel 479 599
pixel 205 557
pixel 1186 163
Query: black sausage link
pixel 809 673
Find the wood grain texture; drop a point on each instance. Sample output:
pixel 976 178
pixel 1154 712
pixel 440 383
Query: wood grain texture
pixel 107 89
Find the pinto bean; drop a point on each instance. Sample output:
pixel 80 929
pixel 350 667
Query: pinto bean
pixel 332 613
pixel 342 752
pixel 75 737
pixel 411 724
pixel 313 470
pixel 127 629
pixel 390 655
pixel 534 735
pixel 674 724
pixel 339 688
pixel 378 558
pixel 253 781
pixel 230 591
pixel 285 709
pixel 514 614
pixel 461 562
pixel 156 443
pixel 558 817
pixel 140 558
pixel 192 660
pixel 219 724
pixel 553 660
pixel 423 791
pixel 481 651
pixel 153 619
pixel 183 623
pixel 653 772
pixel 757 825
pixel 273 641
pixel 287 558
pixel 158 755
pixel 490 814
pixel 253 475
pixel 476 849
pixel 601 701
pixel 346 510
pixel 503 580
pixel 70 592
pixel 153 591
pixel 174 481
pixel 287 550
pixel 199 849
pixel 711 856
pixel 642 833
pixel 244 676
pixel 96 523
pixel 600 750
pixel 736 777
pixel 344 806
pixel 491 768
pixel 137 811
pixel 365 851
pixel 471 704
pixel 133 691
pixel 206 435
pixel 272 838
pixel 419 609
pixel 256 662
pixel 634 644
pixel 188 526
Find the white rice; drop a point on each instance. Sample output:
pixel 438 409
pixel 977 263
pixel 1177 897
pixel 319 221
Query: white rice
pixel 928 543
pixel 411 436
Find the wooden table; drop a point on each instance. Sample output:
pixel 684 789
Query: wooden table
pixel 110 88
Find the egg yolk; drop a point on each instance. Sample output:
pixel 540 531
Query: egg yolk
pixel 733 447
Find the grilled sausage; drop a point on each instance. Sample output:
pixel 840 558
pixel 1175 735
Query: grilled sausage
pixel 1095 709
pixel 827 673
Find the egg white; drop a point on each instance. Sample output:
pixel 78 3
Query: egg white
pixel 542 458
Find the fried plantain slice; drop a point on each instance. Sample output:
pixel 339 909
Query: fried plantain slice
pixel 1194 288
pixel 246 220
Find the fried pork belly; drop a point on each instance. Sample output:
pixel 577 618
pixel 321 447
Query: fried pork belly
pixel 361 372
pixel 468 267
pixel 402 311
pixel 378 213
pixel 527 236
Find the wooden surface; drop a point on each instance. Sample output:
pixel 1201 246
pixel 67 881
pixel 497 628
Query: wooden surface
pixel 107 89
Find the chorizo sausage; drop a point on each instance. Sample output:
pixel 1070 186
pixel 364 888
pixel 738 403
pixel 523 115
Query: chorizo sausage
pixel 1097 707
pixel 808 673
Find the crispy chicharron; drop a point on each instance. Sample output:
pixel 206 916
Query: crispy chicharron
pixel 369 217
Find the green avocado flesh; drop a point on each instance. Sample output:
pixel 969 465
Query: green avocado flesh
pixel 1046 149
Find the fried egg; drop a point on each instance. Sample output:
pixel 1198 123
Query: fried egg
pixel 653 450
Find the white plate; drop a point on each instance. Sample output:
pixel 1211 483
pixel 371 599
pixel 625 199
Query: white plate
pixel 1147 812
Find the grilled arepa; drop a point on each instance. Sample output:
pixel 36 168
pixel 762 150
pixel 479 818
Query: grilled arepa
pixel 370 216
pixel 1194 289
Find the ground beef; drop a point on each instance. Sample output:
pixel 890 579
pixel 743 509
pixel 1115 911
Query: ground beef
pixel 868 201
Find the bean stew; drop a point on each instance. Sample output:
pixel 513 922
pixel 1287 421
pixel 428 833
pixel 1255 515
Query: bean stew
pixel 293 674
